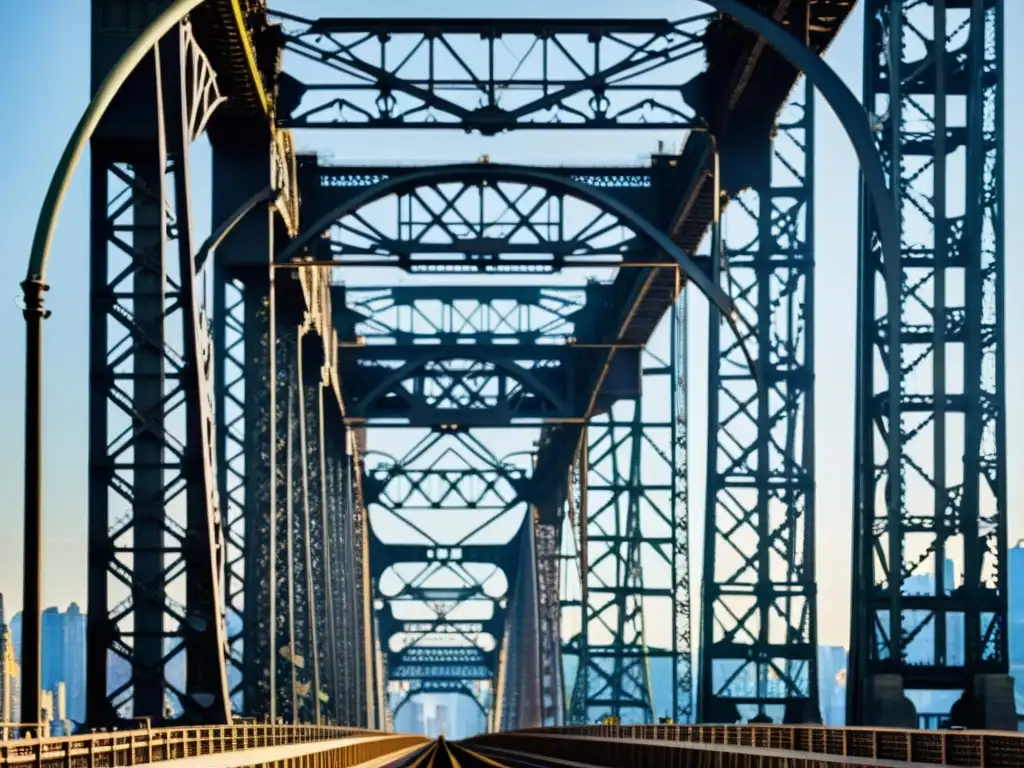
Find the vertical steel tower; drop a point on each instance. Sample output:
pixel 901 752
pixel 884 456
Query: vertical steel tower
pixel 637 544
pixel 758 619
pixel 154 525
pixel 929 602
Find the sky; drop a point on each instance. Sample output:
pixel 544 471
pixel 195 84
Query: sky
pixel 44 48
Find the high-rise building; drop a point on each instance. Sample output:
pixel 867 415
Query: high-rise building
pixel 832 661
pixel 74 663
pixel 59 723
pixel 53 649
pixel 63 660
pixel 9 689
pixel 411 717
pixel 48 712
pixel 15 628
pixel 1015 579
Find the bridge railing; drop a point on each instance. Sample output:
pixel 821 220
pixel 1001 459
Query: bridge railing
pixel 992 749
pixel 149 745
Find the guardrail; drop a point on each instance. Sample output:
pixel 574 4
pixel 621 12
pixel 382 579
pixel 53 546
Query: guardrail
pixel 991 749
pixel 148 745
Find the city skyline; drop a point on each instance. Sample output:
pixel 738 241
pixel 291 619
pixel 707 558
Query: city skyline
pixel 62 88
pixel 63 644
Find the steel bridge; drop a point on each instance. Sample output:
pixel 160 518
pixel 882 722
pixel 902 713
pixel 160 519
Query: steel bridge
pixel 299 513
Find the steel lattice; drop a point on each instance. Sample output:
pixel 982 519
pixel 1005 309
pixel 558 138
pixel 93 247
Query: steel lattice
pixel 320 615
pixel 500 227
pixel 930 598
pixel 636 540
pixel 758 641
pixel 490 75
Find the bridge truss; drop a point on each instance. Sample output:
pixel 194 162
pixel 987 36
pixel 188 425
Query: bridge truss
pixel 255 550
pixel 930 517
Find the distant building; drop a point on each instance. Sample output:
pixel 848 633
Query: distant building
pixel 59 723
pixel 53 649
pixel 832 661
pixel 1015 569
pixel 10 690
pixel 47 712
pixel 410 717
pixel 63 663
pixel 74 662
pixel 457 728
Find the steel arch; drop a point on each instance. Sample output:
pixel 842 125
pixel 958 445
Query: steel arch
pixel 216 237
pixel 488 172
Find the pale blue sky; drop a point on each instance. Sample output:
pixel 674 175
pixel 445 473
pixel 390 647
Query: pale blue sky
pixel 44 50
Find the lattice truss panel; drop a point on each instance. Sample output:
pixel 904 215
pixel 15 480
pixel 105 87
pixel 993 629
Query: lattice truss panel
pixel 291 585
pixel 460 354
pixel 548 561
pixel 240 317
pixel 490 76
pixel 445 519
pixel 156 634
pixel 636 659
pixel 470 227
pixel 758 634
pixel 931 494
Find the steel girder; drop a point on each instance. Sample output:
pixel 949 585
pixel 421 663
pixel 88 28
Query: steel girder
pixel 293 562
pixel 485 314
pixel 930 533
pixel 155 629
pixel 490 75
pixel 163 649
pixel 484 174
pixel 521 686
pixel 466 630
pixel 452 663
pixel 758 631
pixel 548 564
pixel 629 516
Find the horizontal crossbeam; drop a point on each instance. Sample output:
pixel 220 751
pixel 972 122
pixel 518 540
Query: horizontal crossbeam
pixel 448 73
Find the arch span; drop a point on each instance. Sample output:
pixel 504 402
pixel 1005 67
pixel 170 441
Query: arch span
pixel 535 177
